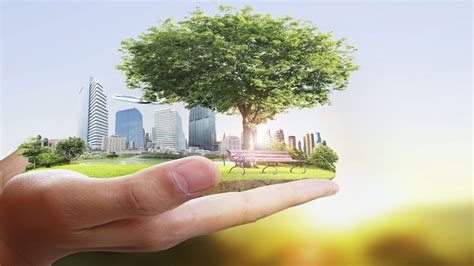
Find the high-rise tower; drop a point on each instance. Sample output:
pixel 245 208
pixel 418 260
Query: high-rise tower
pixel 202 128
pixel 129 124
pixel 93 114
pixel 167 132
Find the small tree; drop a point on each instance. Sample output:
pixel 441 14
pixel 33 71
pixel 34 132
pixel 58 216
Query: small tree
pixel 71 148
pixel 50 158
pixel 238 62
pixel 32 149
pixel 324 157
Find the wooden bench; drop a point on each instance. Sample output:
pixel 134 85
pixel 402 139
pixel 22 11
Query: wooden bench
pixel 269 157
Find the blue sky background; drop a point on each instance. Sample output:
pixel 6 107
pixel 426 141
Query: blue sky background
pixel 402 129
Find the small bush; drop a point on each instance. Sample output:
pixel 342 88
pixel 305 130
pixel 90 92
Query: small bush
pixel 324 158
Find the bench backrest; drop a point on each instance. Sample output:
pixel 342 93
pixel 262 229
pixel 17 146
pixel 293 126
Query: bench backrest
pixel 261 155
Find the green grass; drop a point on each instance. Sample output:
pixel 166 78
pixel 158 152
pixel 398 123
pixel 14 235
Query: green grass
pixel 112 170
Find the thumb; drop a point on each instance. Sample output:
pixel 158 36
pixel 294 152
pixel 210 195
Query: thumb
pixel 148 192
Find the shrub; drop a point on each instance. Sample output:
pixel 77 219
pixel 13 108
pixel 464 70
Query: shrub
pixel 112 155
pixel 324 158
pixel 298 154
pixel 50 158
pixel 279 146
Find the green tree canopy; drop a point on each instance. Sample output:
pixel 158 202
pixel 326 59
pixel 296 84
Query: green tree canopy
pixel 71 148
pixel 50 158
pixel 32 149
pixel 238 62
pixel 324 157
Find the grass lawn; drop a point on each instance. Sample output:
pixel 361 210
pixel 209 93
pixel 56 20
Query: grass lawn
pixel 110 170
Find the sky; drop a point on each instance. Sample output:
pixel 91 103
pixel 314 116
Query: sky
pixel 403 128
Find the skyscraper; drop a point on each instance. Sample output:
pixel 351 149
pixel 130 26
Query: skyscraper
pixel 167 132
pixel 291 142
pixel 305 143
pixel 202 128
pixel 309 143
pixel 129 124
pixel 279 136
pixel 93 114
pixel 318 137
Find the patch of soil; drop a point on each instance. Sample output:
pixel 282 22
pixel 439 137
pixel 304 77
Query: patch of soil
pixel 241 185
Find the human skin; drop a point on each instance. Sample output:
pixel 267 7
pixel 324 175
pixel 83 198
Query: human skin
pixel 46 215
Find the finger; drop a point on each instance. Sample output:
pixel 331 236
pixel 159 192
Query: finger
pixel 206 215
pixel 218 212
pixel 148 192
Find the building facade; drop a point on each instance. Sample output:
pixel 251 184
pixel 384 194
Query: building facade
pixel 318 138
pixel 93 114
pixel 229 143
pixel 291 142
pixel 113 143
pixel 309 143
pixel 279 136
pixel 202 129
pixel 129 124
pixel 167 132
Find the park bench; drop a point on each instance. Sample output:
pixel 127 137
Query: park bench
pixel 268 157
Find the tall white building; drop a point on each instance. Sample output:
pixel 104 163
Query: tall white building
pixel 93 114
pixel 167 132
pixel 113 143
pixel 229 143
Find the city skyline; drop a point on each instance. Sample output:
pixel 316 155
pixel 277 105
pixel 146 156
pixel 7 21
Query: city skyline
pixel 202 122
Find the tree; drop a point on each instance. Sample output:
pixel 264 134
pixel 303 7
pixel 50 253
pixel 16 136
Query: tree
pixel 32 149
pixel 238 62
pixel 49 158
pixel 71 148
pixel 324 157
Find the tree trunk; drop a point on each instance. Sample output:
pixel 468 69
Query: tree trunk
pixel 247 136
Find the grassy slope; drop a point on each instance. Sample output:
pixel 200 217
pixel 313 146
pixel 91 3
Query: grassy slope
pixel 111 170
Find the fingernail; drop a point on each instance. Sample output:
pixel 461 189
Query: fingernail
pixel 195 175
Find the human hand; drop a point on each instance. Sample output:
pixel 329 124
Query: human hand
pixel 46 215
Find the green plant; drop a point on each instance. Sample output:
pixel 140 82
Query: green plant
pixel 71 148
pixel 32 149
pixel 324 158
pixel 279 146
pixel 298 154
pixel 50 158
pixel 112 155
pixel 238 62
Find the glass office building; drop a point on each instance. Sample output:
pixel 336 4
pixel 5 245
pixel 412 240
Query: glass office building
pixel 167 132
pixel 202 129
pixel 93 114
pixel 129 124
